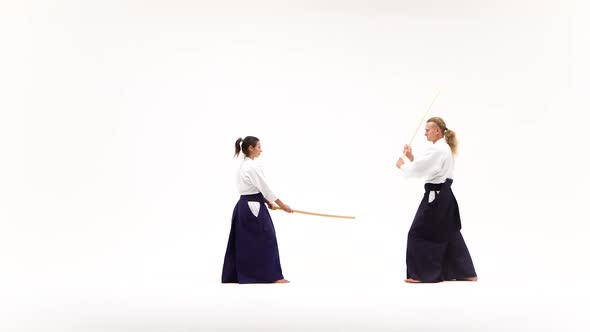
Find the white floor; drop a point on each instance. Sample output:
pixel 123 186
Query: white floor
pixel 386 304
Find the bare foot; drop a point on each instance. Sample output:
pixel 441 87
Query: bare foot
pixel 282 281
pixel 412 281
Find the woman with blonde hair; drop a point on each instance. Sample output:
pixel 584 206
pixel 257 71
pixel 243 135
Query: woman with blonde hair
pixel 436 250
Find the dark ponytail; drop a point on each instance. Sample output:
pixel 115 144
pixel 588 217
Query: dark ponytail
pixel 244 144
pixel 237 145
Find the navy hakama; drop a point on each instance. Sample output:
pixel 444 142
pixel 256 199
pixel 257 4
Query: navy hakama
pixel 436 250
pixel 252 254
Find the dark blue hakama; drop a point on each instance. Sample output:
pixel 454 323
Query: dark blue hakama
pixel 252 254
pixel 436 250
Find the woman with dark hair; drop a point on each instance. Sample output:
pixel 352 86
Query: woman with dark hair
pixel 252 254
pixel 436 250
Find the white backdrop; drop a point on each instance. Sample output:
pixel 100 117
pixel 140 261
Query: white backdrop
pixel 117 129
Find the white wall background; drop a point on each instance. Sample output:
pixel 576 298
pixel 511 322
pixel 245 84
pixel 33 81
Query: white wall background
pixel 117 130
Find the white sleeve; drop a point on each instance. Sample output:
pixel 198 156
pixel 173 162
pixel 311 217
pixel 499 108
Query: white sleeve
pixel 425 165
pixel 259 181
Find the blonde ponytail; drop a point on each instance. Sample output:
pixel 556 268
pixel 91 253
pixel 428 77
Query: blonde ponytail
pixel 449 135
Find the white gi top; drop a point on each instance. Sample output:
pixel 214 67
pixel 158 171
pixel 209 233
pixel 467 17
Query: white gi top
pixel 250 180
pixel 436 165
